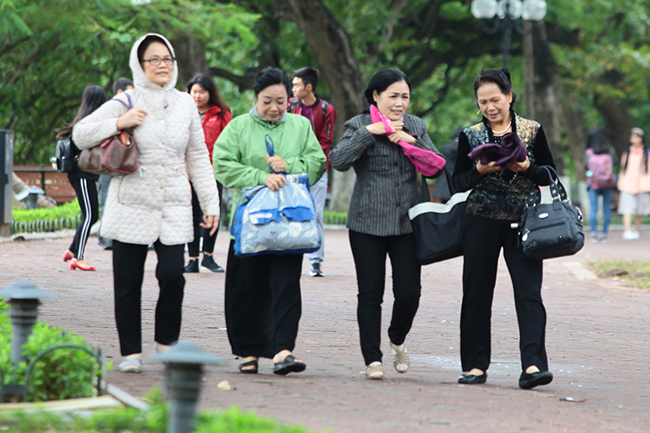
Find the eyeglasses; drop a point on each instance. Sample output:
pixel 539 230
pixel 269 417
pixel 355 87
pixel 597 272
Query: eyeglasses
pixel 155 60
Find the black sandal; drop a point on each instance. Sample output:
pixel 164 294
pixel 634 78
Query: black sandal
pixel 253 363
pixel 289 365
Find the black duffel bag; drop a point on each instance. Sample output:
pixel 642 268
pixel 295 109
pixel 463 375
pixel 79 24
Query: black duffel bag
pixel 551 229
pixel 438 228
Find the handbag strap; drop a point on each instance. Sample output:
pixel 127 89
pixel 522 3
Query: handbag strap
pixel 558 192
pixel 129 105
pixel 425 197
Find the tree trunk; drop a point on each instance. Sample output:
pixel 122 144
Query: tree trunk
pixel 546 101
pixel 576 133
pixel 617 122
pixel 190 57
pixel 333 51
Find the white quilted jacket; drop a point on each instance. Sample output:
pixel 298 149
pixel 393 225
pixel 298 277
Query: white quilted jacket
pixel 156 202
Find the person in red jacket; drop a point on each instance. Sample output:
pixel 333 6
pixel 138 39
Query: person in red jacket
pixel 322 116
pixel 215 115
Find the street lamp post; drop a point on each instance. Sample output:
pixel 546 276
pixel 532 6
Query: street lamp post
pixel 507 14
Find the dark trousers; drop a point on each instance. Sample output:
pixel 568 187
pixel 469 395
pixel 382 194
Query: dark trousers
pixel 200 232
pixel 370 261
pixel 482 242
pixel 86 191
pixel 263 303
pixel 128 273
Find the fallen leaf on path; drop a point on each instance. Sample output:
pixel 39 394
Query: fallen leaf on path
pixel 225 385
pixel 573 400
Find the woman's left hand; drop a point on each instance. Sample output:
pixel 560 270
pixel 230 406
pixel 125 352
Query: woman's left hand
pixel 210 222
pixel 278 164
pixel 520 167
pixel 400 135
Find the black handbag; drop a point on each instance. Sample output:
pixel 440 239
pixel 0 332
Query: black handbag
pixel 551 229
pixel 438 228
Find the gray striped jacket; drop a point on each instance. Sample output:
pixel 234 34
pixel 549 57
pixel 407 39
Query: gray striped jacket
pixel 386 185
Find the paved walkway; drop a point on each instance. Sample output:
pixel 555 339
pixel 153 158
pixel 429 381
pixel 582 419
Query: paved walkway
pixel 597 341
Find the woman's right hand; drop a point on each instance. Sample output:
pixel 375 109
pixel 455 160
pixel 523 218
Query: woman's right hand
pixel 487 168
pixel 275 181
pixel 132 118
pixel 377 128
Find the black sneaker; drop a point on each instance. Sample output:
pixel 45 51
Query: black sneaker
pixel 208 262
pixel 192 266
pixel 316 271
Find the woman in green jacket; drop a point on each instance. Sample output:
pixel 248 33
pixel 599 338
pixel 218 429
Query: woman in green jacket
pixel 262 295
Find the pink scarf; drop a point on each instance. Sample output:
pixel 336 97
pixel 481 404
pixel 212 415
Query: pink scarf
pixel 425 161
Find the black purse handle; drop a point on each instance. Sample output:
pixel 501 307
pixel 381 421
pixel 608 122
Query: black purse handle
pixel 558 192
pixel 425 197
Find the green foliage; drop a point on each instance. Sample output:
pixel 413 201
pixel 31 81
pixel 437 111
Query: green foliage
pixel 66 210
pixel 336 218
pixel 154 420
pixel 61 374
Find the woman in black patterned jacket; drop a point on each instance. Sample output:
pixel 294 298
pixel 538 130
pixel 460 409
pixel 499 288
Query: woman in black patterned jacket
pixel 385 189
pixel 496 202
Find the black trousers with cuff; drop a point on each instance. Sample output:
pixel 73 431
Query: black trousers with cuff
pixel 128 274
pixel 199 232
pixel 370 261
pixel 482 242
pixel 263 303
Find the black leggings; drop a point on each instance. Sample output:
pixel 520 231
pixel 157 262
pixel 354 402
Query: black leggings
pixel 200 232
pixel 370 261
pixel 482 243
pixel 128 273
pixel 86 191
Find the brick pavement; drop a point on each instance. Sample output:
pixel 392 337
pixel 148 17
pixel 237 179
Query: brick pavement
pixel 596 341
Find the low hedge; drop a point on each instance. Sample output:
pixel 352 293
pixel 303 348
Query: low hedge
pixel 65 216
pixel 61 374
pixel 153 420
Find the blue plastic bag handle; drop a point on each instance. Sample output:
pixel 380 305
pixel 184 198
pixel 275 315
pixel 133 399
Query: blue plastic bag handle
pixel 270 148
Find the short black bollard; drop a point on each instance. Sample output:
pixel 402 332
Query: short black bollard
pixel 24 300
pixel 184 370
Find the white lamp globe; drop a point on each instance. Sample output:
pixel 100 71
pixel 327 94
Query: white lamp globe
pixel 484 9
pixel 515 8
pixel 534 10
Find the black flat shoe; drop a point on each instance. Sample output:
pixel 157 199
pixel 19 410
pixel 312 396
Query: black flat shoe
pixel 253 363
pixel 529 381
pixel 289 365
pixel 473 379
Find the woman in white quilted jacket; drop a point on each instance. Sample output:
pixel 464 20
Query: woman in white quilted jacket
pixel 154 205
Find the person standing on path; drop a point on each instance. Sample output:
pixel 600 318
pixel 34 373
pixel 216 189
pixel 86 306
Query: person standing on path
pixel 84 183
pixel 634 184
pixel 498 200
pixel 122 84
pixel 215 115
pixel 601 180
pixel 322 116
pixel 262 294
pixel 153 205
pixel 385 188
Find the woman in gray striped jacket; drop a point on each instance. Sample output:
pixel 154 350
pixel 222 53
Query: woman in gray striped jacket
pixel 385 189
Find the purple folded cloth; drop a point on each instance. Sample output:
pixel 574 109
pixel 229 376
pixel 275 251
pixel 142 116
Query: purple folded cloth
pixel 510 149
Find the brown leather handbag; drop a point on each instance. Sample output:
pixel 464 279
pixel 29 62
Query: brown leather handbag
pixel 115 156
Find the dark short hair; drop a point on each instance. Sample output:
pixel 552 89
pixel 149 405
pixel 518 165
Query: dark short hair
pixel 500 77
pixel 145 44
pixel 208 84
pixel 308 76
pixel 382 80
pixel 122 84
pixel 269 77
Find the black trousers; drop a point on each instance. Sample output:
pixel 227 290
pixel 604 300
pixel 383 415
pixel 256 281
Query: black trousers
pixel 200 232
pixel 263 303
pixel 86 191
pixel 370 261
pixel 482 242
pixel 128 274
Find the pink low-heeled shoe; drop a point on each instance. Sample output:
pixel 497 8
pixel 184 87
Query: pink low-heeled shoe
pixel 75 265
pixel 67 256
